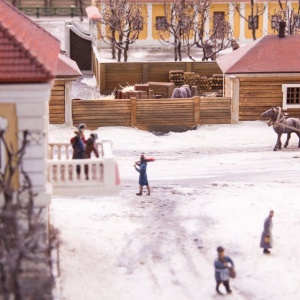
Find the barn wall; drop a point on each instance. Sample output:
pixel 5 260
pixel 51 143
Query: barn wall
pixel 57 103
pixel 259 94
pixel 111 76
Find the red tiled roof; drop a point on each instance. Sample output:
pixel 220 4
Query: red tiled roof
pixel 66 67
pixel 269 54
pixel 28 53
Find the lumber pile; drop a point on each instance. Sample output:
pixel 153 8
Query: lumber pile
pixel 204 84
pixel 138 91
pixel 176 77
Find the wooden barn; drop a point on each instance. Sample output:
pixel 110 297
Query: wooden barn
pixel 60 105
pixel 263 74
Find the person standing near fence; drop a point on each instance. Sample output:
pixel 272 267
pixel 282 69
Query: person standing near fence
pixel 89 149
pixel 224 269
pixel 141 167
pixel 78 145
pixel 266 241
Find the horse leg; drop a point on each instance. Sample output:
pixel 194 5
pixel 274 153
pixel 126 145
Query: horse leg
pixel 298 134
pixel 287 140
pixel 278 143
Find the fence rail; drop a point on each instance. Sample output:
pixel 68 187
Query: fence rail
pixel 39 11
pixel 153 114
pixel 93 175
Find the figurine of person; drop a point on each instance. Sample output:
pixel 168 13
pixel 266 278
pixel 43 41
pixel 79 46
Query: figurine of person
pixel 141 167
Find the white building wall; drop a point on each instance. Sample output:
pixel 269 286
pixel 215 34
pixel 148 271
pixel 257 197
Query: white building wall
pixel 32 102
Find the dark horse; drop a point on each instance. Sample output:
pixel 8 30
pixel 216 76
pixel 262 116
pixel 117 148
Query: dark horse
pixel 282 125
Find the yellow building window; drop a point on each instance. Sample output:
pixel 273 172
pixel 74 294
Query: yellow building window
pixel 253 20
pixel 161 23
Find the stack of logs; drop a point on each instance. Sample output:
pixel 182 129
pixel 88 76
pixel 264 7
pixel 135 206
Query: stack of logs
pixel 204 84
pixel 177 77
pixel 141 91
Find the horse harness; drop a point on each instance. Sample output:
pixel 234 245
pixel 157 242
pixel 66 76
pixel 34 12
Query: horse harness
pixel 279 120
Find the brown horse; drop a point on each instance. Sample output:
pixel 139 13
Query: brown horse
pixel 282 125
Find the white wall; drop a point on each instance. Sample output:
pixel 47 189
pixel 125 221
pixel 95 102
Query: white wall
pixel 32 102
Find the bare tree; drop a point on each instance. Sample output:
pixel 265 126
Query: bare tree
pixel 124 22
pixel 257 9
pixel 185 23
pixel 218 38
pixel 25 245
pixel 289 15
pixel 81 9
pixel 174 28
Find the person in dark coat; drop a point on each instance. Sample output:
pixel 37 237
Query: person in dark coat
pixel 89 149
pixel 78 149
pixel 222 265
pixel 266 241
pixel 141 167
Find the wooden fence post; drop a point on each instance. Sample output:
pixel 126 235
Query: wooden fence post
pixel 196 110
pixel 133 111
pixel 102 78
pixel 188 67
pixel 145 72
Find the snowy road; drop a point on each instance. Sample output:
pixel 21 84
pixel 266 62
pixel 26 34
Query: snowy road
pixel 162 246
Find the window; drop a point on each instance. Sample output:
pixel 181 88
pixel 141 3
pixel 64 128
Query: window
pixel 255 22
pixel 291 96
pixel 3 126
pixel 219 24
pixel 161 23
pixel 138 23
pixel 297 21
pixel 274 21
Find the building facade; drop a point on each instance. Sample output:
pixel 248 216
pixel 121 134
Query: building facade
pixel 265 23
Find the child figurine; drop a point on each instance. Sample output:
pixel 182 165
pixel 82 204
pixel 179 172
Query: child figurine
pixel 141 167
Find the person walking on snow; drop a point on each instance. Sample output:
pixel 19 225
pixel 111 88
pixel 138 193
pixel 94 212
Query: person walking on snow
pixel 266 241
pixel 141 167
pixel 222 272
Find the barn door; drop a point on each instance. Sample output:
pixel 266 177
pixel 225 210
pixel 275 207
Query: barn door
pixel 81 51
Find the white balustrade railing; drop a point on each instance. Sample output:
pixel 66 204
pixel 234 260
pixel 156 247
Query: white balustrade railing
pixel 65 150
pixel 81 176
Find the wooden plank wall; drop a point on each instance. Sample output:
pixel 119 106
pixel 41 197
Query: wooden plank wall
pixel 215 110
pixel 111 76
pixel 57 103
pixel 100 113
pixel 259 94
pixel 152 114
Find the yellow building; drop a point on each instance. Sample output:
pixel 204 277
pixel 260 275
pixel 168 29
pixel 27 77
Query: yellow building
pixel 265 22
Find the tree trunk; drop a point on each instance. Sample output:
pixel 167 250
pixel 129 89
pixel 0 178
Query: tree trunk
pixel 119 54
pixel 113 45
pixel 179 51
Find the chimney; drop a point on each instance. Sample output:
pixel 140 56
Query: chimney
pixel 281 31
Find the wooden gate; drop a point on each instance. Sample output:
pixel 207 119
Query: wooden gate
pixel 81 51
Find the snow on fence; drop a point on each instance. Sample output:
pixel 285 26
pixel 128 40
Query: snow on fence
pixel 153 114
pixel 76 176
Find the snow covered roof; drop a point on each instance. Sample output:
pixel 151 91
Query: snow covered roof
pixel 28 53
pixel 66 67
pixel 270 54
pixel 92 13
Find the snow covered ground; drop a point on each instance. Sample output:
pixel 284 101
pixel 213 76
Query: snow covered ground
pixel 211 186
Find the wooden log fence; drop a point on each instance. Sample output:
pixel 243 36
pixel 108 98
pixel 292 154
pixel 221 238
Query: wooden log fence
pixel 153 114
